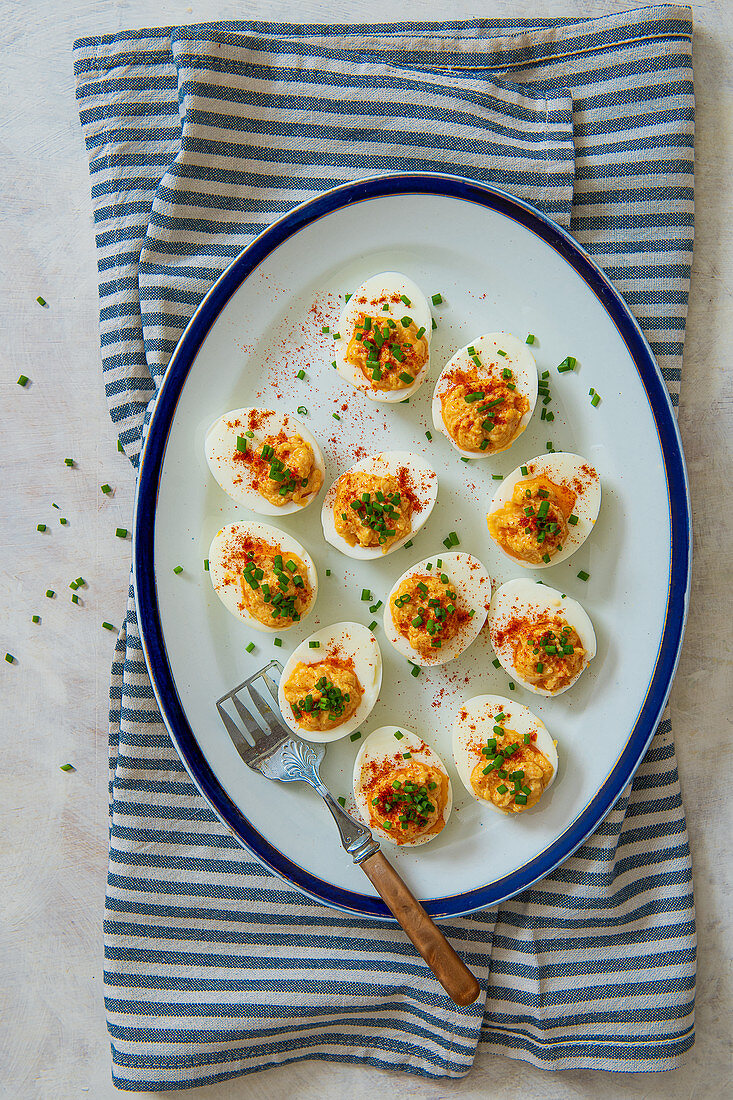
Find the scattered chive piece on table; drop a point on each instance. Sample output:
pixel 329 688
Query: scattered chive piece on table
pixel 277 641
pixel 68 462
pixel 567 364
pixel 591 391
pixel 73 585
pixel 41 527
pixel 511 685
pixel 74 598
pixel 366 594
pixel 372 625
pixel 63 521
pixel 550 416
pixel 67 768
pixel 409 544
pixel 595 399
pixel 178 569
pixel 355 736
pixel 415 670
pixel 328 572
pixel 375 607
pixel 583 576
pixel 121 532
pixel 80 582
pixel 120 448
pixel 41 301
pixel 53 504
pixel 549 446
pixel 434 324
pixel 23 380
pixel 429 436
pixel 464 459
pixel 10 658
pixel 106 488
pixel 314 645
pixel 206 565
pixel 35 618
pixel 498 477
pixel 108 626
pixel 302 411
pixel 436 299
pixel 50 593
pixel 530 338
pixel 341 800
pixel 249 647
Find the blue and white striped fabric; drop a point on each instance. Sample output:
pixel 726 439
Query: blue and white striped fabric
pixel 198 137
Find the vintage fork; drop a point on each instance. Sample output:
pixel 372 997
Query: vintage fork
pixel 269 747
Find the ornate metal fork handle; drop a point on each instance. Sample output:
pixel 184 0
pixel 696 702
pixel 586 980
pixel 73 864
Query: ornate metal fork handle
pixel 295 761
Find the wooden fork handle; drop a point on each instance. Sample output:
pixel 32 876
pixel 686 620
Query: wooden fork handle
pixel 453 974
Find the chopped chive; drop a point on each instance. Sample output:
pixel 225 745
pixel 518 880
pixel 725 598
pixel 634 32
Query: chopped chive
pixel 206 565
pixel 41 301
pixel 355 736
pixel 434 324
pixel 436 299
pixel 121 532
pixel 530 338
pixel 67 768
pixel 10 658
pixel 407 756
pixel 178 569
pixel 406 322
pixel 23 380
pixel 415 670
pixel 241 444
pixel 567 364
pixel 543 414
pixel 302 411
pixel 106 488
pixel 328 572
pixel 405 377
pixel 109 626
pixel 120 448
pixel 549 446
pixel 500 352
pixel 405 299
pixel 464 459
pixel 336 335
pixel 595 399
pixel 335 416
pixel 583 576
pixel 454 540
pixel 511 685
pixel 346 297
pixel 74 598
pixel 341 800
pixel 41 527
pixel 591 391
pixel 35 618
pixel 249 647
pixel 573 520
pixel 277 641
pixel 333 364
pixel 409 544
pixel 300 374
pixel 50 593
pixel 366 594
pixel 325 328
pixel 428 436
pixel 420 333
pixel 63 521
pixel 497 477
pixel 53 504
pixel 550 415
pixel 314 645
pixel 68 462
pixel 496 662
pixel 73 586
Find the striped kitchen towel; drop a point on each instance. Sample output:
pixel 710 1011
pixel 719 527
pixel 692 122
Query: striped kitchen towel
pixel 198 137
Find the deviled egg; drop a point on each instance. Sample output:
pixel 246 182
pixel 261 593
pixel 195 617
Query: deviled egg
pixel 330 682
pixel 543 511
pixel 504 754
pixel 401 787
pixel 378 504
pixel 485 396
pixel 437 608
pixel 542 638
pixel 383 340
pixel 266 460
pixel 262 575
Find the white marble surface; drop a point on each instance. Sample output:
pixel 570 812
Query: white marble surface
pixel 53 1041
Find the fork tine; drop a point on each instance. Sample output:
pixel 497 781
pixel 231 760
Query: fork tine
pixel 240 743
pixel 272 687
pixel 248 720
pixel 269 716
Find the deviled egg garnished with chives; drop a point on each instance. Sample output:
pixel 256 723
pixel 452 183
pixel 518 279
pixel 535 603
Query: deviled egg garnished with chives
pixel 437 608
pixel 543 511
pixel 330 682
pixel 266 460
pixel 262 575
pixel 504 754
pixel 383 338
pixel 401 787
pixel 485 396
pixel 378 504
pixel 541 637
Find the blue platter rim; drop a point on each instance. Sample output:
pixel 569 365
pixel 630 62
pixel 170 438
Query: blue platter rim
pixel 149 622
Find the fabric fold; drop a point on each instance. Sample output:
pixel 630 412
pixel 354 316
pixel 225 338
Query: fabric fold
pixel 199 137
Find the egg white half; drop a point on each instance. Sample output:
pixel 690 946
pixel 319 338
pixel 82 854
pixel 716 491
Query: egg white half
pixel 381 745
pixel 474 725
pixel 424 485
pixel 525 598
pixel 518 358
pixel 367 298
pixel 471 582
pixel 233 476
pixel 561 467
pixel 344 640
pixel 221 574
